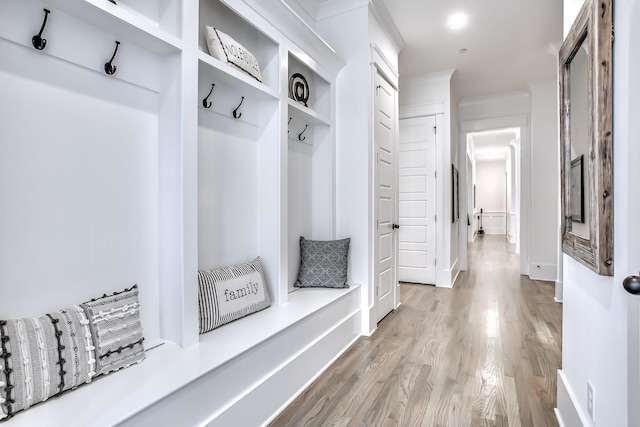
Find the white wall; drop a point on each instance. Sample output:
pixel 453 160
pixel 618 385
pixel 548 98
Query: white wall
pixel 491 185
pixel 491 193
pixel 545 184
pixel 352 33
pixel 512 194
pixel 352 142
pixel 598 325
pixel 458 229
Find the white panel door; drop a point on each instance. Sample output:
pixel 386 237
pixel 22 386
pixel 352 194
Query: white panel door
pixel 417 200
pixel 384 137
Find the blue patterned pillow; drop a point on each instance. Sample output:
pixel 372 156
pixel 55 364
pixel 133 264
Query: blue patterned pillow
pixel 323 263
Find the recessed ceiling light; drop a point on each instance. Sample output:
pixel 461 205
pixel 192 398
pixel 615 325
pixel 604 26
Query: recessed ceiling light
pixel 457 21
pixel 463 50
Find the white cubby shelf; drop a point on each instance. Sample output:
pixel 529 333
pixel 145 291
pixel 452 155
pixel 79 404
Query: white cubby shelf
pixel 304 114
pixel 137 26
pixel 219 72
pixel 128 179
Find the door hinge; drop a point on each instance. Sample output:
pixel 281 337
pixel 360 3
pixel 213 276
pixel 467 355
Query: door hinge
pixel 377 224
pixel 435 174
pixel 435 261
pixel 435 218
pixel 435 128
pixel 377 157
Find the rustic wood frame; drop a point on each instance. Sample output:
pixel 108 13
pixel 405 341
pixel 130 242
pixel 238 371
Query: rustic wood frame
pixel 593 24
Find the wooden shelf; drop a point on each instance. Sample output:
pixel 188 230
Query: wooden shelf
pixel 220 72
pixel 135 27
pixel 306 114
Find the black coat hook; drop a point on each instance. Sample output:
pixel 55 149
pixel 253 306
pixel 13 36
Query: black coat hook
pixel 205 102
pixel 109 68
pixel 300 137
pixel 237 115
pixel 288 123
pixel 38 41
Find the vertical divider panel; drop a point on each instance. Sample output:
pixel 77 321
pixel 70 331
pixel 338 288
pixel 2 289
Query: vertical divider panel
pixel 272 191
pixel 177 195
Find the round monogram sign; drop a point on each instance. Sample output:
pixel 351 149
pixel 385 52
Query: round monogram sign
pixel 299 89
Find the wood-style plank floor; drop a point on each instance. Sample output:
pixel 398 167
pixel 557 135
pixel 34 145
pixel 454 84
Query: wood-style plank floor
pixel 484 353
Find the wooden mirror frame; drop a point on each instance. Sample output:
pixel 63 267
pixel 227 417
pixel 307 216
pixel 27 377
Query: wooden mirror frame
pixel 593 24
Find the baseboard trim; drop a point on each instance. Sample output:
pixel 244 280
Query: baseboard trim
pixel 559 292
pixel 545 272
pixel 558 417
pixel 567 411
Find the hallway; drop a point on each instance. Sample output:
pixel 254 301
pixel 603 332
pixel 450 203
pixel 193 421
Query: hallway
pixel 484 353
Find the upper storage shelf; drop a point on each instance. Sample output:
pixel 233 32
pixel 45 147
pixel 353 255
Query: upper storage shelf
pixel 307 86
pixel 220 72
pixel 306 115
pixel 219 16
pixel 154 24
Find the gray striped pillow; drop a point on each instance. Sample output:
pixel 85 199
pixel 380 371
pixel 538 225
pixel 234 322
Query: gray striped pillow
pixel 229 293
pixel 46 356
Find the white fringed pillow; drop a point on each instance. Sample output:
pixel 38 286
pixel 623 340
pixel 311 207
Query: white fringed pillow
pixel 46 356
pixel 224 48
pixel 229 293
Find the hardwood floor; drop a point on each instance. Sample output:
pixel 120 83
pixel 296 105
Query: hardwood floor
pixel 484 353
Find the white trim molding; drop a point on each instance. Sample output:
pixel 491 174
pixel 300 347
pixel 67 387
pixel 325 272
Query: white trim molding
pixel 422 110
pixel 567 412
pixel 384 66
pixel 546 272
pixel 559 291
pixel 381 13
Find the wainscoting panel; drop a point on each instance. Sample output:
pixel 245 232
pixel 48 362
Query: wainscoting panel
pixel 494 222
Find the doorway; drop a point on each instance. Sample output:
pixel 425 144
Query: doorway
pixel 385 196
pixel 495 198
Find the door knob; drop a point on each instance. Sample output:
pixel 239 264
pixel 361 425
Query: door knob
pixel 395 226
pixel 632 284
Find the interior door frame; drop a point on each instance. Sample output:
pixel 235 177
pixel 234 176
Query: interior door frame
pixel 524 200
pixel 379 65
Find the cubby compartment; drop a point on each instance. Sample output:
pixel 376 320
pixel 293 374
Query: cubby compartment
pixel 233 179
pixel 218 15
pixel 318 106
pixel 311 167
pixel 79 162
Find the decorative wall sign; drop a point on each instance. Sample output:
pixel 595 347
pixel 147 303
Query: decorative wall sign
pixel 224 48
pixel 299 89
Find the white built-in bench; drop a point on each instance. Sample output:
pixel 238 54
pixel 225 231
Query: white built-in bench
pixel 244 372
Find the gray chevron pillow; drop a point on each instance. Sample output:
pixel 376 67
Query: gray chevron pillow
pixel 323 263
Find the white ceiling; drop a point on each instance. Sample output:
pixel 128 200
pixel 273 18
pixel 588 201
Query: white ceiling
pixel 510 43
pixel 492 145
